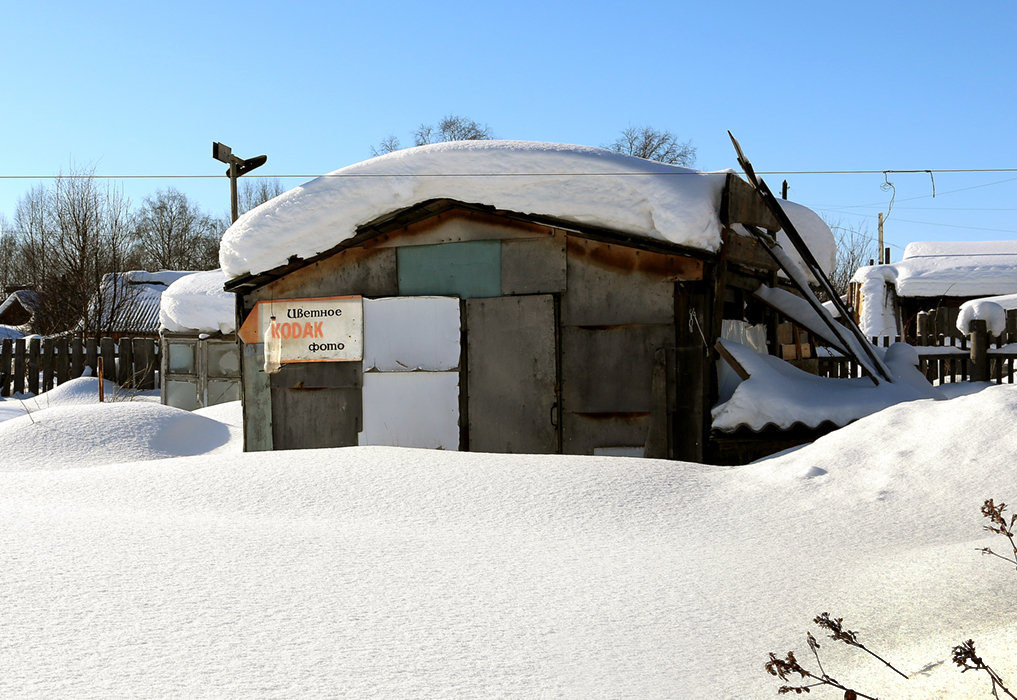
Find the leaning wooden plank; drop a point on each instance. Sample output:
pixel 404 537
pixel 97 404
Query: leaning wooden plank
pixel 857 343
pixel 730 360
pixel 840 332
pixel 801 312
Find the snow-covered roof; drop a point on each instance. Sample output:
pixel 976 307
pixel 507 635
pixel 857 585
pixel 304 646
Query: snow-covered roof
pixel 197 303
pixel 816 234
pixel 953 269
pixel 581 184
pixel 11 332
pixel 20 305
pixel 130 300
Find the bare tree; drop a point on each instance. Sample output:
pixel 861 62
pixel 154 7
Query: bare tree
pixel 171 233
pixel 34 230
pixel 251 192
pixel 388 144
pixel 8 256
pixel 92 240
pixel 255 191
pixel 68 237
pixel 855 248
pixel 654 144
pixel 451 127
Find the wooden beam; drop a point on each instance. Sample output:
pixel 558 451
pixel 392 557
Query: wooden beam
pixel 731 361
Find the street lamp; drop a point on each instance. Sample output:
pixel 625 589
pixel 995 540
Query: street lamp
pixel 238 167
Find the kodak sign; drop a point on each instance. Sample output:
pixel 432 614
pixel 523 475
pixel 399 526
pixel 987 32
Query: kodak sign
pixel 323 329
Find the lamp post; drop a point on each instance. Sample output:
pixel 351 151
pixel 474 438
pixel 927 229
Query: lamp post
pixel 238 166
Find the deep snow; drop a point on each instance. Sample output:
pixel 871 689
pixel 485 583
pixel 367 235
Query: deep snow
pixel 391 572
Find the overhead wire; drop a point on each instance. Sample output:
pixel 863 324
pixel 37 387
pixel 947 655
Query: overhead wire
pixel 142 176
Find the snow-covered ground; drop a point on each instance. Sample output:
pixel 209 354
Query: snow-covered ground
pixel 385 572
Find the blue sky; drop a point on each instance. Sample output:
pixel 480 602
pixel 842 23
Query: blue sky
pixel 144 89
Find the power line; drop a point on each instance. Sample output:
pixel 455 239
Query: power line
pixel 928 196
pixel 965 227
pixel 305 176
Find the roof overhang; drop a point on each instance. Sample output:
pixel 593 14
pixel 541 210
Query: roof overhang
pixel 402 218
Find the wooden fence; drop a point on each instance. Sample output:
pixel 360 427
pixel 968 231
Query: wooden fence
pixel 945 355
pixel 35 365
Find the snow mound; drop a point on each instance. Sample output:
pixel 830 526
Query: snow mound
pixel 197 303
pixel 80 433
pixel 931 433
pixel 421 573
pixel 230 413
pixel 78 391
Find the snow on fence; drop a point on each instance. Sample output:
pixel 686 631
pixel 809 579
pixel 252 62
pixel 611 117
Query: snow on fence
pixel 35 365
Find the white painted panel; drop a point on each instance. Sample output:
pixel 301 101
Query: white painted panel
pixel 402 334
pixel 411 409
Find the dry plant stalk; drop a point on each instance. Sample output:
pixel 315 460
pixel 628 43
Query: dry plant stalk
pixel 965 657
pixel 1001 526
pixel 837 631
pixel 783 668
pixel 788 666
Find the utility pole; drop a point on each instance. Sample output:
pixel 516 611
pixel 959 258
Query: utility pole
pixel 881 257
pixel 238 167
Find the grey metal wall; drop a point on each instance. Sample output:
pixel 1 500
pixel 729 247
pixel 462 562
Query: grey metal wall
pixel 584 327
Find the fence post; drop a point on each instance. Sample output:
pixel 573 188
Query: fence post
pixel 92 355
pixel 77 357
pixel 19 366
pixel 144 363
pixel 979 333
pixel 107 349
pixel 6 350
pixel 125 370
pixel 923 327
pixel 63 368
pixel 1011 326
pixel 47 363
pixel 33 365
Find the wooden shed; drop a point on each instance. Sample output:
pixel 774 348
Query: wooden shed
pixel 566 337
pixel 933 277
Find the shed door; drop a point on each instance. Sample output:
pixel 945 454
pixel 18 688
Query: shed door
pixel 512 372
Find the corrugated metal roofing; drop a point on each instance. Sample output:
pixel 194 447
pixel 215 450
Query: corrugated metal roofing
pixel 130 301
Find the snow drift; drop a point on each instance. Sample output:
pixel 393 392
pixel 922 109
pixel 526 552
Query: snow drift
pixel 414 573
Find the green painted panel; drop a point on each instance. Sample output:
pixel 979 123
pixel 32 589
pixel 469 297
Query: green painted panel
pixel 467 270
